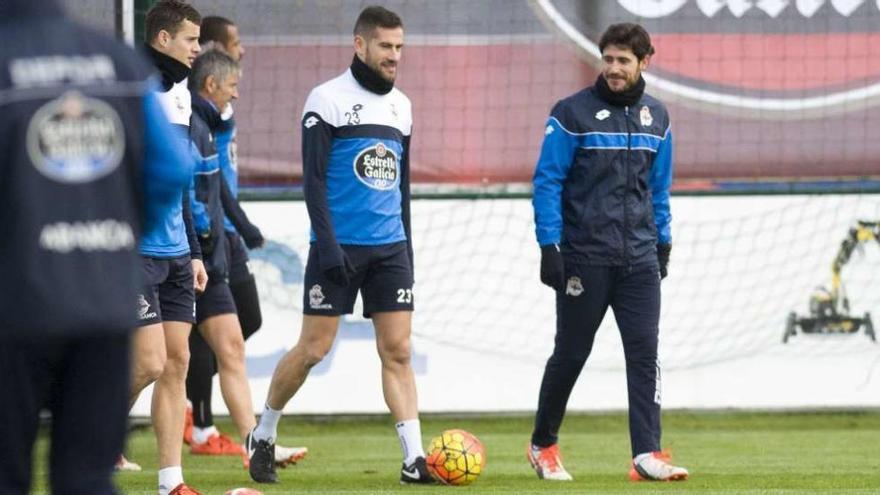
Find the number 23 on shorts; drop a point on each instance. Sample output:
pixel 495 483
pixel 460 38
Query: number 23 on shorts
pixel 404 296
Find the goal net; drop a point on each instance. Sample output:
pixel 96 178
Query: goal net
pixel 773 96
pixel 739 266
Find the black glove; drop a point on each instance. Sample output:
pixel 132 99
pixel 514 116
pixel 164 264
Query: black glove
pixel 663 251
pixel 206 242
pixel 337 267
pixel 552 267
pixel 253 238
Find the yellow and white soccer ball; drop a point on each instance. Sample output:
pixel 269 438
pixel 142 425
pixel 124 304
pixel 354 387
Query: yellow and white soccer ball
pixel 456 457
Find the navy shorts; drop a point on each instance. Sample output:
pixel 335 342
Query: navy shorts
pixel 383 276
pixel 216 300
pixel 239 271
pixel 168 293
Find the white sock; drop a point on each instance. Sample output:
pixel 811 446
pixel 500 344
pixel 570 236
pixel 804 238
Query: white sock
pixel 201 435
pixel 410 434
pixel 267 428
pixel 169 478
pixel 641 457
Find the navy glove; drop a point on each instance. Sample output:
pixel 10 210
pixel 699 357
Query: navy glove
pixel 337 267
pixel 552 267
pixel 254 241
pixel 252 237
pixel 663 251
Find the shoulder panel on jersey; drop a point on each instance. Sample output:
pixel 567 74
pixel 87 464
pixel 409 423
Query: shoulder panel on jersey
pixel 405 110
pixel 313 121
pixel 177 103
pixel 320 102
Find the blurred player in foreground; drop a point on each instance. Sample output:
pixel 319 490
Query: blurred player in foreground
pixel 89 164
pixel 172 265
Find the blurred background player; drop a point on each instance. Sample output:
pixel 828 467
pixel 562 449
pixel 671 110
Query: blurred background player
pixel 360 234
pixel 86 155
pixel 602 219
pixel 221 34
pixel 172 264
pixel 214 84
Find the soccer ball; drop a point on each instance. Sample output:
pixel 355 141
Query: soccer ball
pixel 456 457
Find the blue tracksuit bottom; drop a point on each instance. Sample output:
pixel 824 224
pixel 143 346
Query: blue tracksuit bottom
pixel 633 293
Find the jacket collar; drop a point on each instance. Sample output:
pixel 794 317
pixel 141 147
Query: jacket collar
pixel 207 111
pixel 171 70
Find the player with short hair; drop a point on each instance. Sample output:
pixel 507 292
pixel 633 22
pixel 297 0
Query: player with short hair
pixel 214 84
pixel 173 269
pixel 355 144
pixel 86 154
pixel 602 219
pixel 220 32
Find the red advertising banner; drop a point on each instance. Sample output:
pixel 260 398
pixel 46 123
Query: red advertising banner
pixel 770 90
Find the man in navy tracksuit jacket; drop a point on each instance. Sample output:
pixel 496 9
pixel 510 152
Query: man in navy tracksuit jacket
pixel 214 84
pixel 222 34
pixel 601 200
pixel 88 164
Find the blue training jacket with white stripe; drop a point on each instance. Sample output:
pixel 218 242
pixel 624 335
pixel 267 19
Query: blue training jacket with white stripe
pixel 601 185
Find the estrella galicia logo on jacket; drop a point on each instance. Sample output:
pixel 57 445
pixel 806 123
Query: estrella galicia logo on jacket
pixel 75 139
pixel 376 167
pixel 705 28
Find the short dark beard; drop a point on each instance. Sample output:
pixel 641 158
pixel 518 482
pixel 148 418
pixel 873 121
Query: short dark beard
pixel 378 70
pixel 628 97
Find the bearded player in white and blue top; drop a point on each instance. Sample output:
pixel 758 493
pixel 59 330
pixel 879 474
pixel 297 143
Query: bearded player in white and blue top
pixel 356 131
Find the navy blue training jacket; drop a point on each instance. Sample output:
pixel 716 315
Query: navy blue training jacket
pixel 88 163
pixel 205 193
pixel 601 185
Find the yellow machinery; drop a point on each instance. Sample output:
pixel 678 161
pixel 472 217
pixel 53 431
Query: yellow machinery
pixel 829 309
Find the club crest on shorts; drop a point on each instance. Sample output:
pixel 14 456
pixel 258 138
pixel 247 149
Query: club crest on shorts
pixel 144 312
pixel 376 167
pixel 574 287
pixel 76 139
pixel 316 298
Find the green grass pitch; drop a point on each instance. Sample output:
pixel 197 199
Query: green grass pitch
pixel 726 453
